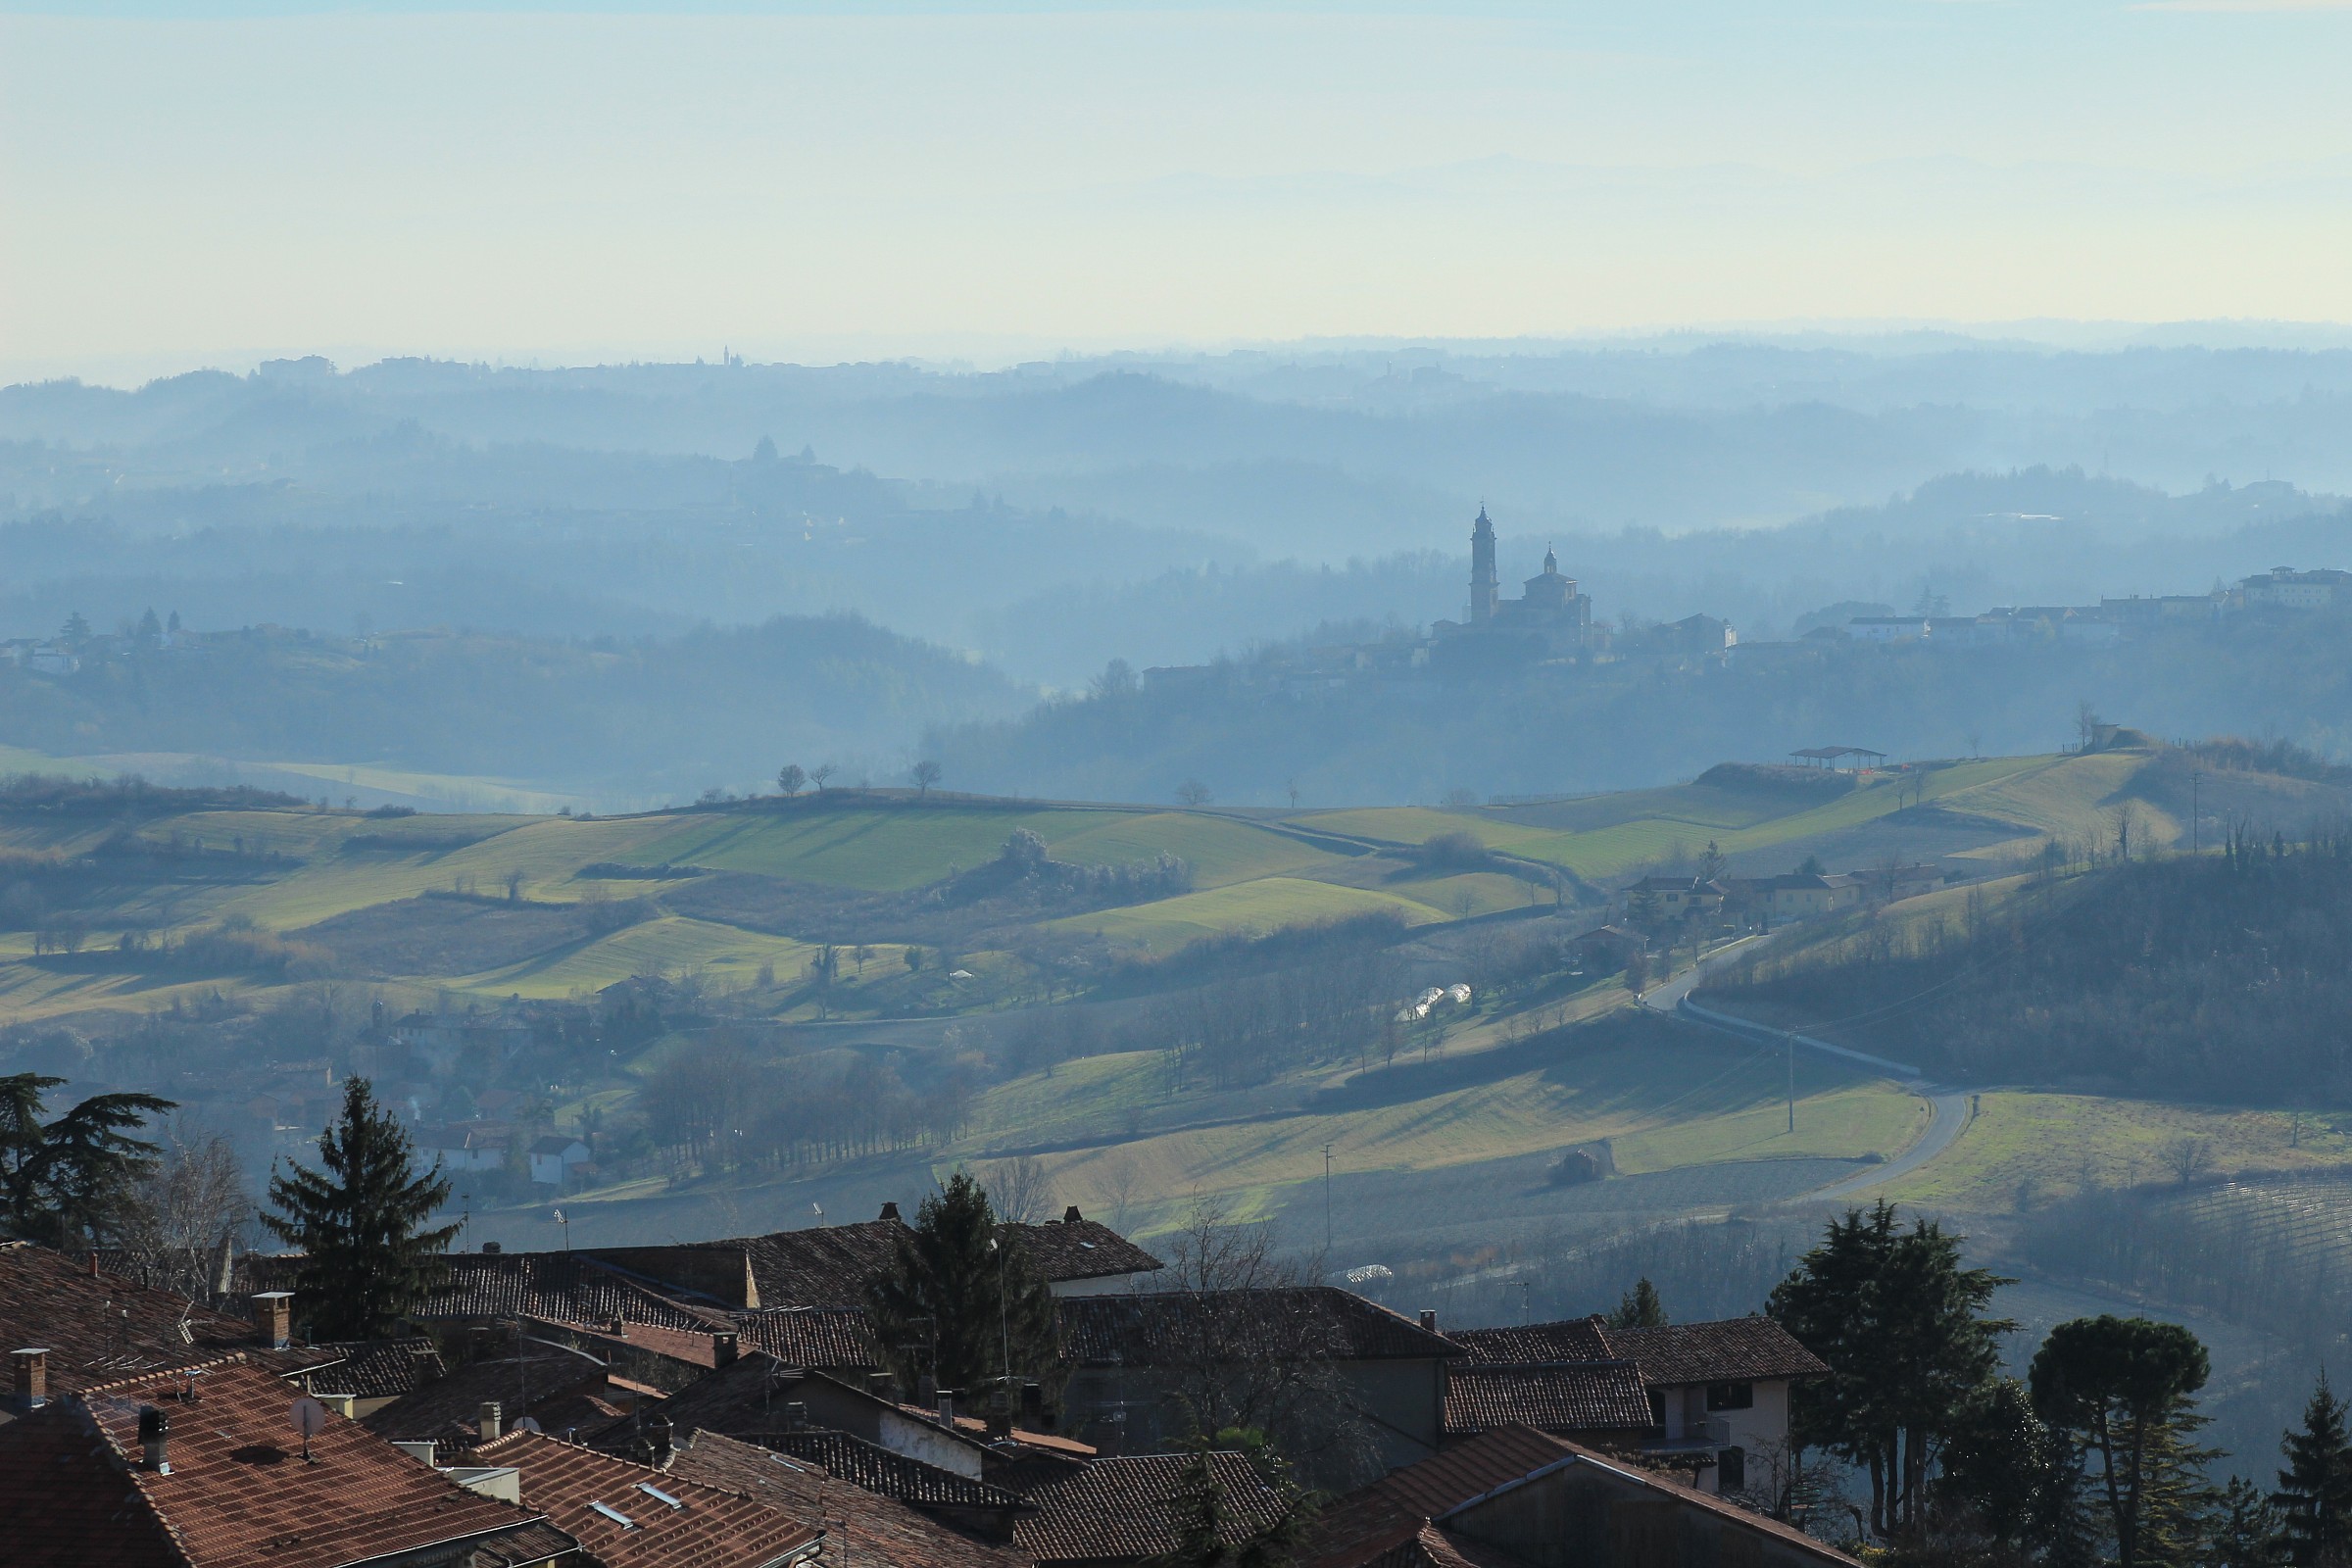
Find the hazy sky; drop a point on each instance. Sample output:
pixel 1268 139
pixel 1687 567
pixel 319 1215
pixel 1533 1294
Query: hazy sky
pixel 181 183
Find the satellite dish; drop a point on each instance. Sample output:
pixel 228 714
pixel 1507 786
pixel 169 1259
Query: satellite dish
pixel 309 1418
pixel 530 1423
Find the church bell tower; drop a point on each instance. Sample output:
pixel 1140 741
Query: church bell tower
pixel 1481 570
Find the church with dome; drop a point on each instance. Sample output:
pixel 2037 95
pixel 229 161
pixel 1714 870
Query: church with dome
pixel 1548 612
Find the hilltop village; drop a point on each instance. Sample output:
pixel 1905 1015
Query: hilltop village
pixel 1551 625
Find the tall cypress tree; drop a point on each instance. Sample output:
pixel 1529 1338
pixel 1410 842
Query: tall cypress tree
pixel 368 1263
pixel 2315 1491
pixel 955 1302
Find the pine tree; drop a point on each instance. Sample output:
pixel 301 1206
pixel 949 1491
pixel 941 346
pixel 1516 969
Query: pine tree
pixel 1211 1533
pixel 69 1181
pixel 961 1296
pixel 2121 1388
pixel 366 1262
pixel 2315 1491
pixel 2245 1529
pixel 1640 1307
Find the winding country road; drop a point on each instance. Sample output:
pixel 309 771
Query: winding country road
pixel 1947 1107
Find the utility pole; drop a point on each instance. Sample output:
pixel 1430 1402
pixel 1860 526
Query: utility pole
pixel 1326 1205
pixel 2196 776
pixel 1790 1035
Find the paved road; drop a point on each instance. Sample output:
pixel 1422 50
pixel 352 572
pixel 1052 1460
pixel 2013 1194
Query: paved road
pixel 1947 1107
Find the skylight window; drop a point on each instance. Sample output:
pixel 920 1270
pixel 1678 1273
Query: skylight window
pixel 615 1515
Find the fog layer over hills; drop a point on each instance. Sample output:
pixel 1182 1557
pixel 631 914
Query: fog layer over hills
pixel 1159 510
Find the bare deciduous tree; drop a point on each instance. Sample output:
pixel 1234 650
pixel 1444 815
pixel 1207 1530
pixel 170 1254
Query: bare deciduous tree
pixel 1020 1189
pixel 188 1213
pixel 926 774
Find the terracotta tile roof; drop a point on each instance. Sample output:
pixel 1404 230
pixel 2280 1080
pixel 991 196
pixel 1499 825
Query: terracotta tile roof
pixel 1731 1349
pixel 237 1495
pixel 869 1529
pixel 98 1327
pixel 831 1265
pixel 1076 1248
pixel 1432 1547
pixel 1130 1508
pixel 1363 1525
pixel 1578 1338
pixel 1374 1517
pixel 563 1287
pixel 526 1377
pixel 67 1502
pixel 1587 1397
pixel 1146 1330
pixel 628 1516
pixel 748 1396
pixel 894 1475
pixel 688 1347
pixel 827 1337
pixel 375 1369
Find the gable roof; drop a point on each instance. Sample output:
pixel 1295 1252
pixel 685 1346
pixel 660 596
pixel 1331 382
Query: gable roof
pixel 524 1376
pixel 874 1530
pixel 1318 1320
pixel 1129 1508
pixel 1370 1522
pixel 1555 1397
pixel 559 1287
pixel 1731 1349
pixel 631 1516
pixel 100 1327
pixel 831 1265
pixel 892 1475
pixel 813 1336
pixel 375 1369
pixel 235 1492
pixel 1576 1339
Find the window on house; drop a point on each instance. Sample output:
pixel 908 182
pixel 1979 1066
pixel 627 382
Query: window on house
pixel 1730 1470
pixel 1731 1395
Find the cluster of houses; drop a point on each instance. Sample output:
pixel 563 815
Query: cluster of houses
pixel 2282 589
pixel 725 1403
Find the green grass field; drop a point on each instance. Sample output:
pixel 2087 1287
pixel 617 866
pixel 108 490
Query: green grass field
pixel 1696 1102
pixel 1265 904
pixel 2022 1148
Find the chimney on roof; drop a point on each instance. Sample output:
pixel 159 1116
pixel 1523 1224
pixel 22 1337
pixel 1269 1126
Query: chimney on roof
pixel 32 1377
pixel 492 1249
pixel 661 1450
pixel 795 1416
pixel 490 1421
pixel 1428 1320
pixel 93 1263
pixel 879 1385
pixel 155 1437
pixel 725 1345
pixel 1000 1413
pixel 946 1406
pixel 274 1318
pixel 618 1327
pixel 1033 1407
pixel 1071 1216
pixel 890 1209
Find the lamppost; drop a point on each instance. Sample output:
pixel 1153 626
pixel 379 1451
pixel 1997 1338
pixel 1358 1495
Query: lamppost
pixel 1003 1326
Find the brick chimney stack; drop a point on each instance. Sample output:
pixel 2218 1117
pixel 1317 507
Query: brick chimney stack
pixel 1071 1216
pixel 274 1318
pixel 724 1348
pixel 32 1377
pixel 890 1209
pixel 490 1419
pixel 1428 1320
